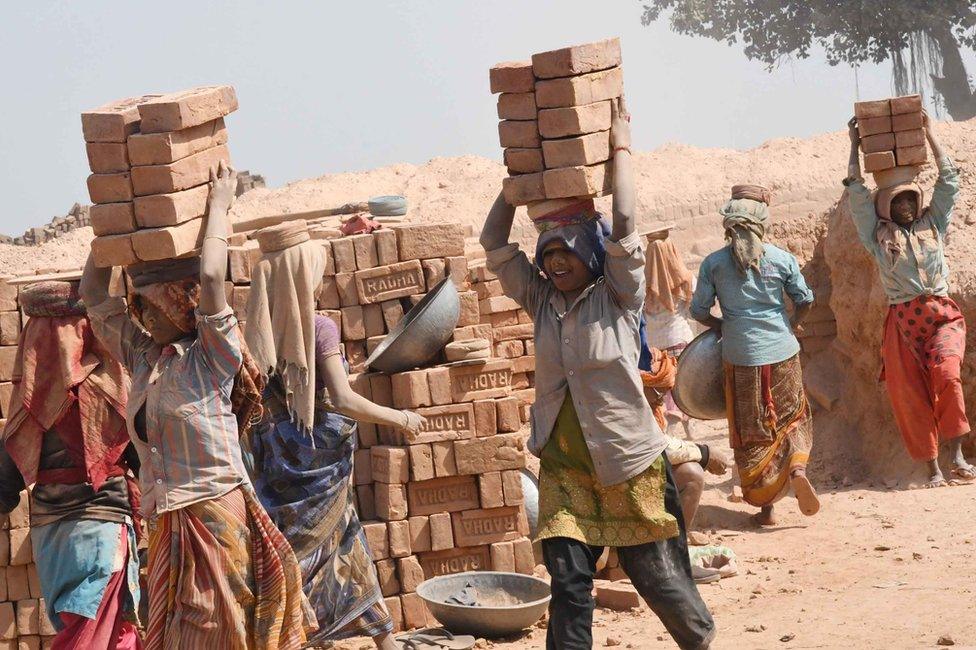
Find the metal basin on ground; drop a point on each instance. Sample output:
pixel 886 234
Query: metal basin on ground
pixel 421 333
pixel 699 388
pixel 507 602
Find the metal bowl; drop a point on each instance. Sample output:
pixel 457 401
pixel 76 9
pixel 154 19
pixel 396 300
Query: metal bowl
pixel 511 602
pixel 699 388
pixel 421 333
pixel 530 493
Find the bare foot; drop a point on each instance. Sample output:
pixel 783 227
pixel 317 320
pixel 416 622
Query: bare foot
pixel 805 494
pixel 765 517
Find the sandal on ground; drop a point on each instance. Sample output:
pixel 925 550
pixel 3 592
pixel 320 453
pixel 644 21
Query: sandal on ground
pixel 965 473
pixel 434 638
pixel 805 495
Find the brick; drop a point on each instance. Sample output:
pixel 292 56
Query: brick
pixel 472 332
pixel 524 364
pixel 499 320
pixel 490 490
pixel 578 59
pixel 110 188
pixel 421 462
pixel 455 560
pixel 344 253
pixel 381 389
pixel 486 526
pixel 8 621
pixel 166 243
pixel 524 556
pixel 878 143
pixel 439 384
pixel 364 248
pixel 480 381
pixel 328 297
pixel 19 517
pixel 441 531
pixel 386 247
pixel 164 148
pixel 481 273
pixel 372 343
pixel 113 122
pixel 355 353
pixel 434 271
pixel 513 332
pixel 112 218
pixel 8 354
pixel 619 597
pixel 362 467
pixel 575 120
pixel 485 418
pixel 519 134
pixel 28 621
pixel 509 349
pixel 107 157
pixel 580 89
pixel 6 394
pixel 516 106
pixel 239 265
pixel 439 495
pixel 446 423
pixel 502 557
pixel 376 538
pixel 511 77
pixel 906 104
pixel 46 628
pixel 497 304
pixel 20 546
pixel 32 642
pixel 410 389
pixel 494 453
pixel 366 500
pixel 392 313
pixel 180 175
pixel 186 108
pixel 396 612
pixel 873 126
pixel 18 586
pixel 346 288
pixel 878 161
pixel 391 501
pixel 411 573
pixel 385 283
pixel 173 208
pixel 8 296
pixel 490 289
pixel 398 533
pixel 390 464
pixel 911 155
pixel 238 301
pixel 906 122
pixel 4 552
pixel 444 461
pixel 419 534
pixel 470 310
pixel 387 577
pixel 582 150
pixel 353 327
pixel 879 108
pixel 512 488
pixel 457 269
pixel 905 139
pixel 522 189
pixel 426 241
pixel 579 181
pixel 529 344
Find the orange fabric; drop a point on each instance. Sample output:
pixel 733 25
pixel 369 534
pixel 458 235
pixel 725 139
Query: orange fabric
pixel 663 379
pixel 925 389
pixel 668 279
pixel 59 365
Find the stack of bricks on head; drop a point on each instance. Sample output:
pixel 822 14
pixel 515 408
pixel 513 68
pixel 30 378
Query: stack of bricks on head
pixel 150 159
pixel 555 128
pixel 450 500
pixel 892 138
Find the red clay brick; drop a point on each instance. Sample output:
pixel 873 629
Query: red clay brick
pixel 497 304
pixel 439 381
pixel 386 247
pixel 186 108
pixel 396 612
pixel 457 269
pixel 618 597
pixel 439 495
pixel 580 89
pixel 365 250
pixel 329 294
pixel 18 586
pixel 381 389
pixel 387 576
pixel 8 622
pixel 392 313
pixel 385 283
pixel 507 413
pixel 434 271
pixel 878 143
pixel 906 104
pixel 112 218
pixel 524 556
pixel 411 573
pixel 481 381
pixel 472 332
pixel 4 553
pixel 113 122
pixel 503 557
pixel 415 614
pixel 366 502
pixel 28 617
pixel 399 536
pixel 421 462
pixel 377 539
pixel 107 157
pixel 579 181
pixel 164 148
pixel 586 149
pixel 110 188
pixel 391 501
pixel 344 253
pixel 911 155
pixel 494 453
pixel 575 120
pixel 485 418
pixel 419 534
pixel 447 422
pixel 410 389
pixel 166 243
pixel 486 526
pixel 470 310
pixel 520 134
pixel 426 241
pixel 577 59
pixel 516 106
pixel 346 287
pixel 159 210
pixel 19 517
pixel 490 490
pixel 180 175
pixel 866 110
pixel 444 461
pixel 362 467
pixel 353 328
pixel 509 349
pixel 441 531
pixel 8 296
pixel 390 464
pixel 905 139
pixel 8 355
pixel 522 189
pixel 455 560
pixel 877 161
pixel 873 126
pixel 906 122
pixel 501 319
pixel 512 487
pixel 511 77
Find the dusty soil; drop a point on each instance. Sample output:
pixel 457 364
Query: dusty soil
pixel 878 568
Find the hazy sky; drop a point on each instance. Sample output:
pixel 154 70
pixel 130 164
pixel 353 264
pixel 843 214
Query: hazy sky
pixel 343 86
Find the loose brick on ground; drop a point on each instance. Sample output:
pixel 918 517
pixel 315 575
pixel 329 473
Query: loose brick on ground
pixel 440 495
pixel 186 108
pixel 580 89
pixel 619 597
pixel 164 148
pixel 511 77
pixel 166 243
pixel 159 210
pixel 577 59
pixel 180 175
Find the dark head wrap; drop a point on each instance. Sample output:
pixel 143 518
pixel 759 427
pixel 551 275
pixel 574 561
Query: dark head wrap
pixel 585 239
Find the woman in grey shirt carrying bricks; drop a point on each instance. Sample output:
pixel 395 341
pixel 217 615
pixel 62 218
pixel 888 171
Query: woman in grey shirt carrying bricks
pixel 604 480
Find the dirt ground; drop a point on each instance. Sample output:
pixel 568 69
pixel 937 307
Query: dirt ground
pixel 879 567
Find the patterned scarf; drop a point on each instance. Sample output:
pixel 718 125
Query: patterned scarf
pixel 891 237
pixel 744 221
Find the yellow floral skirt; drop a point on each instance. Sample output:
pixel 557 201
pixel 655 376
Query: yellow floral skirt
pixel 574 504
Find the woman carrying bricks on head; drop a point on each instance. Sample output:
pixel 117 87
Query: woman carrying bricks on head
pixel 770 427
pixel 302 450
pixel 604 478
pixel 66 435
pixel 925 333
pixel 220 574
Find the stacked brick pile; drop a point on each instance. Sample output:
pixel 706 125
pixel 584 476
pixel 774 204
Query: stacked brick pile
pixel 151 158
pixel 77 217
pixel 892 138
pixel 555 127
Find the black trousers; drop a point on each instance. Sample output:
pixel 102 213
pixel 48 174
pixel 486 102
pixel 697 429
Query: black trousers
pixel 660 571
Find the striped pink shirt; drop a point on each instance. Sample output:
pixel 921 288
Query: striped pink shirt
pixel 192 451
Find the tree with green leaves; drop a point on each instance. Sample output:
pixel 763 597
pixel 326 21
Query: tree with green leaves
pixel 923 38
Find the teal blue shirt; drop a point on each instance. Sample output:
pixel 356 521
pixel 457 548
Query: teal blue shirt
pixel 920 269
pixel 756 328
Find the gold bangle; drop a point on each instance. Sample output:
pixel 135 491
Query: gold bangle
pixel 223 239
